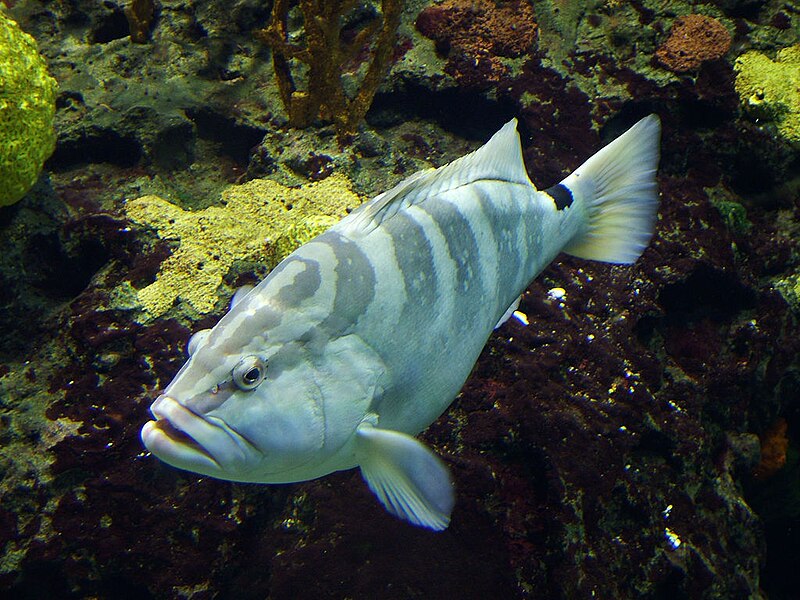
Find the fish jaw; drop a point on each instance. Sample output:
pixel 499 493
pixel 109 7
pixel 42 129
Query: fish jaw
pixel 185 440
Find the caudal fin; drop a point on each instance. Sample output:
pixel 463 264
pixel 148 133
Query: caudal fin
pixel 617 190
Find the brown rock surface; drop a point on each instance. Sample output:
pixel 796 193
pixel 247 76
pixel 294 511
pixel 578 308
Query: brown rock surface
pixel 693 40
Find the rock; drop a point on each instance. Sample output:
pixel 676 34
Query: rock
pixel 693 40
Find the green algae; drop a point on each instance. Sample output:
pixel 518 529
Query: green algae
pixel 770 89
pixel 789 288
pixel 27 112
pixel 28 437
pixel 734 215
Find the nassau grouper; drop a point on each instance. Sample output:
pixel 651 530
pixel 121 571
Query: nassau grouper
pixel 362 337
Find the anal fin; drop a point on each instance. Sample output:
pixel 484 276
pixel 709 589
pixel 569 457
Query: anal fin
pixel 509 312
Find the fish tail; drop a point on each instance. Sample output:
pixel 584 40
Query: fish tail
pixel 617 194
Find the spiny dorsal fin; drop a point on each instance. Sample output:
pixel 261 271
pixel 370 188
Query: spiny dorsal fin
pixel 499 159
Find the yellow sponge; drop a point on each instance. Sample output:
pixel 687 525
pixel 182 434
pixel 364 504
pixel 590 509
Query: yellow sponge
pixel 27 112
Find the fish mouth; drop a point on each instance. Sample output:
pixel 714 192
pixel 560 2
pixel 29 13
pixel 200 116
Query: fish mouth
pixel 176 436
pixel 186 440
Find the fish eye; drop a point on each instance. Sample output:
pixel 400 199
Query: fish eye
pixel 249 373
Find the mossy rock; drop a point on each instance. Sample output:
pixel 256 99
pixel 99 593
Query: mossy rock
pixel 27 112
pixel 770 89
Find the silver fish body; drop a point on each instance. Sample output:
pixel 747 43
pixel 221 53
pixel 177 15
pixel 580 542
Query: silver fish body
pixel 362 337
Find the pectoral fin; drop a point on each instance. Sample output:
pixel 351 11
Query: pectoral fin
pixel 407 477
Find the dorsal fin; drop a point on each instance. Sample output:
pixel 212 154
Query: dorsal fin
pixel 499 159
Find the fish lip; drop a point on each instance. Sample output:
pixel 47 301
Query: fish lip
pixel 187 440
pixel 155 437
pixel 178 436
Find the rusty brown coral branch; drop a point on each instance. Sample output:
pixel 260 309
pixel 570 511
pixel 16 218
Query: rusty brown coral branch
pixel 326 56
pixel 383 49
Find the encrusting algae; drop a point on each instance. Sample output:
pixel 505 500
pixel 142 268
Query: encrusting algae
pixel 771 89
pixel 261 220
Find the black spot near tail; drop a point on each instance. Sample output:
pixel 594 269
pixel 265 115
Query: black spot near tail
pixel 561 195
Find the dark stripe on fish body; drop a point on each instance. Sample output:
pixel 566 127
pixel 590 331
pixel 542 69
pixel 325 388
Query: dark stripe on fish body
pixel 414 257
pixel 305 284
pixel 462 246
pixel 355 282
pixel 509 231
pixel 494 210
pixel 561 195
pixel 266 316
pixel 496 227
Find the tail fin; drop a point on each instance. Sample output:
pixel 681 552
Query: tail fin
pixel 617 188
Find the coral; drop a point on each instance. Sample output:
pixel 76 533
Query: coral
pixel 474 33
pixel 774 445
pixel 770 89
pixel 261 221
pixel 330 52
pixel 27 112
pixel 693 40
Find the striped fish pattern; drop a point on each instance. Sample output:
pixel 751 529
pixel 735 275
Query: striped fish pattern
pixel 362 337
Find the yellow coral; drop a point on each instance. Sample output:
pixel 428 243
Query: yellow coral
pixel 261 220
pixel 27 112
pixel 771 89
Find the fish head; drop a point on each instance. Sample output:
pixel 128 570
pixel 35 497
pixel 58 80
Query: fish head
pixel 272 410
pixel 247 413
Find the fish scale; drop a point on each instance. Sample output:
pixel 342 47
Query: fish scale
pixel 362 337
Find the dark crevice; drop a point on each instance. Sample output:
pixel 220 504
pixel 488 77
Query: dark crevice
pixel 471 116
pixel 706 294
pixel 236 140
pixel 112 26
pixel 102 146
pixel 61 273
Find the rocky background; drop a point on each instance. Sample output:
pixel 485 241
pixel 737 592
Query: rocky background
pixel 639 438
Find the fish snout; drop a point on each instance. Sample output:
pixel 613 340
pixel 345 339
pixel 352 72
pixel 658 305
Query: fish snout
pixel 187 440
pixel 180 437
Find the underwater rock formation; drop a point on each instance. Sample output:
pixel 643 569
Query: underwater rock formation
pixel 27 112
pixel 693 40
pixel 770 89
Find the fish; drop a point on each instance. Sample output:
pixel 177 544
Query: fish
pixel 362 337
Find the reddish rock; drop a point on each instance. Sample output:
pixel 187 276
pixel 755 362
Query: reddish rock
pixel 693 40
pixel 474 33
pixel 774 446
